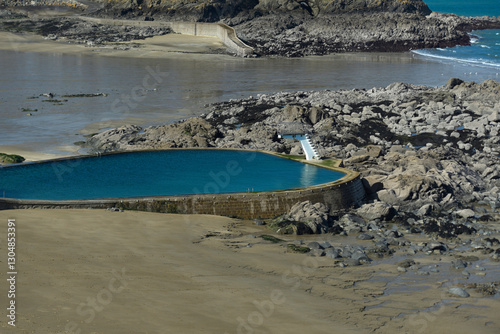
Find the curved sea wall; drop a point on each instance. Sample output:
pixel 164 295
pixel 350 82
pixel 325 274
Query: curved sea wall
pixel 341 194
pixel 225 33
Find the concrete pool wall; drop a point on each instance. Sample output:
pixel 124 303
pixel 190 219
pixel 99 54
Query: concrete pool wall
pixel 343 193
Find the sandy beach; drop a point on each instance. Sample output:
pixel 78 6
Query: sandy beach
pixel 154 47
pixel 128 272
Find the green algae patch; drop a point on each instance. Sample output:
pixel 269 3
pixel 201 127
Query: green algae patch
pixel 297 249
pixel 11 158
pixel 272 239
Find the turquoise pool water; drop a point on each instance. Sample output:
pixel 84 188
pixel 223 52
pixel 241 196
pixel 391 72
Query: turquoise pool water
pixel 157 173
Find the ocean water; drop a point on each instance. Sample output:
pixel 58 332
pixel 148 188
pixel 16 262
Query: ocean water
pixel 483 52
pixel 485 44
pixel 465 7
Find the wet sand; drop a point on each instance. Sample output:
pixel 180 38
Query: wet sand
pixel 154 47
pixel 131 272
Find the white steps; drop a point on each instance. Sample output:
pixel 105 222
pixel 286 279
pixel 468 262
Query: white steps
pixel 309 148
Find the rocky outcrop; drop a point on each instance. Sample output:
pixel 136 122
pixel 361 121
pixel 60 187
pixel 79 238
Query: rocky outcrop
pixel 194 132
pixel 177 10
pixel 189 10
pixel 336 7
pixel 306 218
pixel 296 35
pixel 376 210
pixel 314 216
pixel 80 31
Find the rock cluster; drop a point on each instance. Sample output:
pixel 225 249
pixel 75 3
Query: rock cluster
pixel 194 132
pixel 299 35
pixel 83 32
pixel 382 231
pixel 189 10
pixel 348 255
pixel 305 218
pixel 22 3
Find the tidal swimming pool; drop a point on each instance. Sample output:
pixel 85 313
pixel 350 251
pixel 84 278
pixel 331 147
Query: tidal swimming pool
pixel 159 173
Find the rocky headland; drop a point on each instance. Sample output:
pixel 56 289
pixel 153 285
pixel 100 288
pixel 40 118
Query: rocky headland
pixel 296 35
pixel 298 28
pixel 272 28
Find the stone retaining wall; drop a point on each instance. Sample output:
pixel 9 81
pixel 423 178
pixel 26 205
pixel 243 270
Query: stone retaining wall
pixel 225 33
